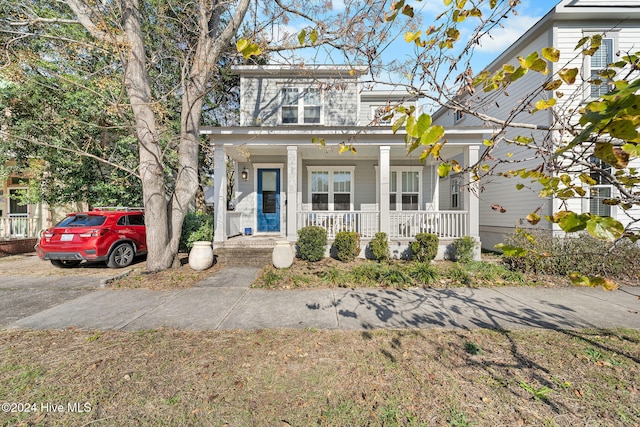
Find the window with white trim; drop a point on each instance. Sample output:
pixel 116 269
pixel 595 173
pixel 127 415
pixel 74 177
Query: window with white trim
pixel 599 62
pixel 301 106
pixel 404 189
pixel 458 115
pixel 601 191
pixel 331 189
pixel 381 115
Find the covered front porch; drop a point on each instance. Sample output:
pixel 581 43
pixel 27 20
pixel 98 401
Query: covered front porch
pixel 380 189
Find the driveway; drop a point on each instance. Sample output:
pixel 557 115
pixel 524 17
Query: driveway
pixel 29 285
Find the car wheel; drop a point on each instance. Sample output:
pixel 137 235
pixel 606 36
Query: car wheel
pixel 64 263
pixel 121 256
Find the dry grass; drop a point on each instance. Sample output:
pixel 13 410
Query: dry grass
pixel 329 378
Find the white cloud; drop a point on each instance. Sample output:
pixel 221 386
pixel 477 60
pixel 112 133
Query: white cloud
pixel 503 36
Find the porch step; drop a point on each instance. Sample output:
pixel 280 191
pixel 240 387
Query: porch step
pixel 244 255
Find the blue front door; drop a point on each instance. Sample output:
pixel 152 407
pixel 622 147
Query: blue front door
pixel 268 200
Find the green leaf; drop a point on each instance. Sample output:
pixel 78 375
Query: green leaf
pixel 424 121
pixel 568 75
pixel 519 186
pixel 632 148
pixel 553 85
pixel 319 141
pixel 247 48
pixel 302 35
pixel 313 36
pixel 444 169
pixel 533 218
pixel 551 54
pixel 604 228
pixel 509 250
pixel 410 37
pixel 432 135
pixel 581 42
pixel 408 11
pixel 586 179
pixel 543 104
pixel 570 222
pixel 242 44
pixel 623 129
pixel 398 123
pixel 615 156
pixel 343 148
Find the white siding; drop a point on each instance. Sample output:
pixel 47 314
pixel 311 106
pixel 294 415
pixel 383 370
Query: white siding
pixel 260 100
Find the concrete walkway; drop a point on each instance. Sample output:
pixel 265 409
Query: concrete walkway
pixel 225 301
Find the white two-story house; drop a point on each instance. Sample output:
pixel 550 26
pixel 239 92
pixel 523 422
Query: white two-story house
pixel 562 27
pixel 286 178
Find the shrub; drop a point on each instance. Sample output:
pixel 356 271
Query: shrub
pixel 423 273
pixel 579 253
pixel 458 274
pixel 463 249
pixel 367 274
pixel 425 247
pixel 395 277
pixel 346 245
pixel 380 247
pixel 197 226
pixel 311 243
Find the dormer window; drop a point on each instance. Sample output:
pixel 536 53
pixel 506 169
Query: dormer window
pixel 301 106
pixel 381 115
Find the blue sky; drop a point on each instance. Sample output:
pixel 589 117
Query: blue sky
pixel 528 13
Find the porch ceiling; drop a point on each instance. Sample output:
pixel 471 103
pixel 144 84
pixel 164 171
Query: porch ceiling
pixel 330 151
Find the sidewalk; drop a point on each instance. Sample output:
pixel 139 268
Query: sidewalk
pixel 225 301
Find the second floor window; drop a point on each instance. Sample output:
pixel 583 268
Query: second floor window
pixel 301 106
pixel 599 62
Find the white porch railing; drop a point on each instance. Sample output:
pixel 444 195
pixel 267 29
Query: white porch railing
pixel 446 224
pixel 365 223
pixel 403 225
pixel 19 228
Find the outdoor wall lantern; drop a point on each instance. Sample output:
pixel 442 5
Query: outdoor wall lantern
pixel 245 174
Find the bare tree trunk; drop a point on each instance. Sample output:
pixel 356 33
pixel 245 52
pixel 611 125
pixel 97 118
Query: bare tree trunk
pixel 164 217
pixel 151 170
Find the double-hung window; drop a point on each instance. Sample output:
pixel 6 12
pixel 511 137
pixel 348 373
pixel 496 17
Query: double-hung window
pixel 301 106
pixel 404 190
pixel 595 65
pixel 600 60
pixel 601 191
pixel 331 189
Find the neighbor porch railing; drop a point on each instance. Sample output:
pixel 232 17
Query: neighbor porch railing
pixel 365 223
pixel 403 225
pixel 19 228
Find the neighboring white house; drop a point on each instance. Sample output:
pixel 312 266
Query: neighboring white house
pixel 285 181
pixel 571 20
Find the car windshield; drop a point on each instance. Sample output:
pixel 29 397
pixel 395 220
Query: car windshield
pixel 82 221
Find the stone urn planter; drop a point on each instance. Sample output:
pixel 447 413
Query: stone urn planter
pixel 201 256
pixel 283 254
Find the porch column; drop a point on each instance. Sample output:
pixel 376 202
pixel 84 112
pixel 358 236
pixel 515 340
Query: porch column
pixel 292 192
pixel 220 194
pixel 471 201
pixel 384 160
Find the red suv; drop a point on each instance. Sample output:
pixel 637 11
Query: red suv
pixel 115 236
